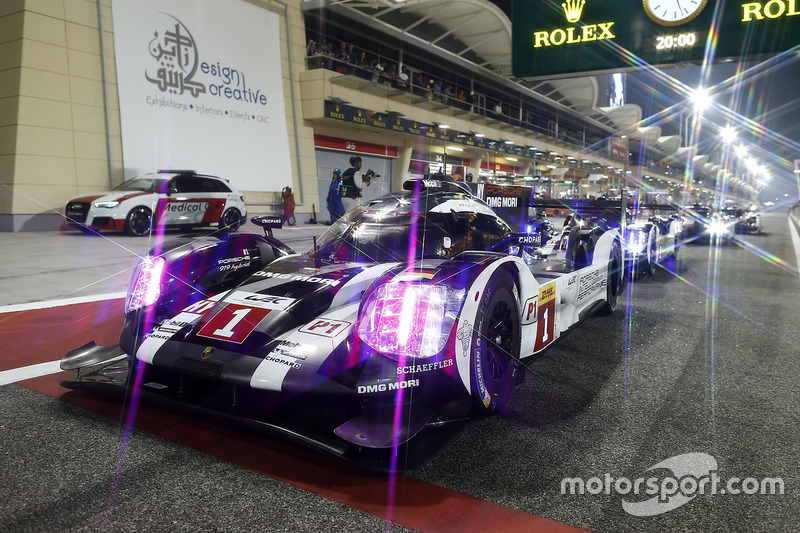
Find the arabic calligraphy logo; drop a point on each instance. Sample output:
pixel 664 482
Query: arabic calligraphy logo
pixel 573 9
pixel 176 53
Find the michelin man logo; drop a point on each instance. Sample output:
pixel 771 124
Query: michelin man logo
pixel 175 52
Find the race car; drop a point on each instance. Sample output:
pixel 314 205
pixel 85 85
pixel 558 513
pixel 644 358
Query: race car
pixel 651 238
pixel 702 223
pixel 179 199
pixel 747 221
pixel 411 314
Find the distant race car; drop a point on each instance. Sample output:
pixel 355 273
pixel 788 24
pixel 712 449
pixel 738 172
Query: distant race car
pixel 171 199
pixel 747 221
pixel 703 223
pixel 411 314
pixel 652 238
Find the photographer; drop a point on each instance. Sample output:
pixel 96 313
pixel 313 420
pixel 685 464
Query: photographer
pixel 353 180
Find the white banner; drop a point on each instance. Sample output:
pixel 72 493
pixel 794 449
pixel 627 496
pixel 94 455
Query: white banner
pixel 200 88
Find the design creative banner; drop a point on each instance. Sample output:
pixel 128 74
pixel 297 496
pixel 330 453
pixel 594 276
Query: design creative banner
pixel 200 88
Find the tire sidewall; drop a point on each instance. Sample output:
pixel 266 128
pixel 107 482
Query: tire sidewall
pixel 129 228
pixel 491 395
pixel 233 226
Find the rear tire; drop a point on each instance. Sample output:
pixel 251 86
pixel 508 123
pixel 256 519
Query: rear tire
pixel 139 222
pixel 495 345
pixel 231 219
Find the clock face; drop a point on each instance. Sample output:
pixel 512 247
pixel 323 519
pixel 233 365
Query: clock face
pixel 673 12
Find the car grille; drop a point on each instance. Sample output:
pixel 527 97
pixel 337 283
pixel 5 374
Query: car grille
pixel 77 211
pixel 200 369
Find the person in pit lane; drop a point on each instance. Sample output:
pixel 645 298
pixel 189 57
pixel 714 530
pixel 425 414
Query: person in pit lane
pixel 334 199
pixel 353 180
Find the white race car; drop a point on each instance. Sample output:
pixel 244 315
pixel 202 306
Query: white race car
pixel 177 198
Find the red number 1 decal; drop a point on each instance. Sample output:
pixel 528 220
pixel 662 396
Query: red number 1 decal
pixel 545 326
pixel 233 323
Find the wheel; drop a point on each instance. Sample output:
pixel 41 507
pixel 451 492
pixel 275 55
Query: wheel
pixel 615 280
pixel 496 345
pixel 652 254
pixel 231 219
pixel 138 222
pixel 291 220
pixel 647 265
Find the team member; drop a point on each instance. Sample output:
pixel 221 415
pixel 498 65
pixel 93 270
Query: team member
pixel 353 180
pixel 334 200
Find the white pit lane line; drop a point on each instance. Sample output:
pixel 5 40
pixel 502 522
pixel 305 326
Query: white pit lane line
pixel 28 372
pixel 795 241
pixel 52 367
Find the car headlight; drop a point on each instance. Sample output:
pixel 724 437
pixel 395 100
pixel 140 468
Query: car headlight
pixel 145 287
pixel 409 319
pixel 637 242
pixel 717 228
pixel 106 205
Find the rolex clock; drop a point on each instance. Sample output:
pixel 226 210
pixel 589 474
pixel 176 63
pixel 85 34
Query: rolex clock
pixel 673 12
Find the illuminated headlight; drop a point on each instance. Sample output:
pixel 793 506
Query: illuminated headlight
pixel 145 287
pixel 409 319
pixel 717 228
pixel 106 205
pixel 637 242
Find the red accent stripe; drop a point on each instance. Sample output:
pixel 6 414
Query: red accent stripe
pixel 132 195
pixel 86 199
pixel 417 505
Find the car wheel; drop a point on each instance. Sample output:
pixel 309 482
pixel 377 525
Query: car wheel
pixel 291 220
pixel 496 345
pixel 615 280
pixel 231 219
pixel 138 222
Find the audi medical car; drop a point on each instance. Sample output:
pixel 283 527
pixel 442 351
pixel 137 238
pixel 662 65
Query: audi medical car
pixel 168 199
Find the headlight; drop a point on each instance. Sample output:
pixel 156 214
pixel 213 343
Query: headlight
pixel 637 242
pixel 106 205
pixel 717 228
pixel 409 319
pixel 145 287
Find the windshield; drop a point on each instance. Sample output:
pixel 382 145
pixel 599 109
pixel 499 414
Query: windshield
pixel 394 237
pixel 142 184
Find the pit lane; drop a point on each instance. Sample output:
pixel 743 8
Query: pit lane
pixel 704 361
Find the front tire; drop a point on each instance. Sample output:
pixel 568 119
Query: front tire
pixel 615 280
pixel 496 346
pixel 139 221
pixel 231 219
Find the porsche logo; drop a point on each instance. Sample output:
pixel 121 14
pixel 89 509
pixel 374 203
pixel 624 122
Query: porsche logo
pixel 207 353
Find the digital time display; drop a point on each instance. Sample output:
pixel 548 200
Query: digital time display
pixel 678 40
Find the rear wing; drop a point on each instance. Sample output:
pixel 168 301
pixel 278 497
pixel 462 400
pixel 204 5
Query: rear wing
pixel 614 211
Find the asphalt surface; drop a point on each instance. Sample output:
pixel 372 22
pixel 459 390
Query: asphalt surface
pixel 704 361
